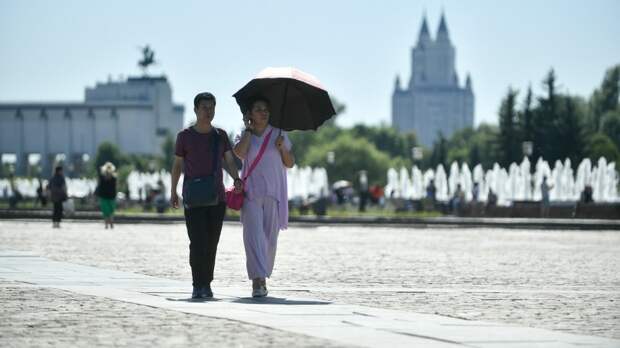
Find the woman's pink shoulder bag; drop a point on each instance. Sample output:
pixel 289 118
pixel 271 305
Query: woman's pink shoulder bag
pixel 235 200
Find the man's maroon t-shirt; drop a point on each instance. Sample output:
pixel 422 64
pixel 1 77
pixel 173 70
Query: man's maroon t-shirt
pixel 197 152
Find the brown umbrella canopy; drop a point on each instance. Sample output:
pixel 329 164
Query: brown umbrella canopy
pixel 298 100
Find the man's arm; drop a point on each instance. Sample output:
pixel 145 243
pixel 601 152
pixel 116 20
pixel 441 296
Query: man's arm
pixel 231 168
pixel 175 175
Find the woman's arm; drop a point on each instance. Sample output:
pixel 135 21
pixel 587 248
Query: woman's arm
pixel 287 157
pixel 241 148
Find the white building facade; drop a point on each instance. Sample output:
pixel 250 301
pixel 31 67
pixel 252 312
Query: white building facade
pixel 433 102
pixel 135 114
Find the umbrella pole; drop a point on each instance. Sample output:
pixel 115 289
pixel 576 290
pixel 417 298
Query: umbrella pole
pixel 282 107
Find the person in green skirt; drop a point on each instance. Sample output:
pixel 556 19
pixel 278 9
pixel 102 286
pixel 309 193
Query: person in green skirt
pixel 106 191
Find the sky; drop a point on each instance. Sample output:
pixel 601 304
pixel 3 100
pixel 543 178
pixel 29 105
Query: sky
pixel 52 50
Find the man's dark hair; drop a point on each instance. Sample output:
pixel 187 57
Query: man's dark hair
pixel 58 169
pixel 206 96
pixel 249 103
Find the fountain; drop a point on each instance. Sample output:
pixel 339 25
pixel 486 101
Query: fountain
pixel 516 183
pixel 303 182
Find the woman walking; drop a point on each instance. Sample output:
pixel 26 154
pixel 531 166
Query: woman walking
pixel 265 207
pixel 106 191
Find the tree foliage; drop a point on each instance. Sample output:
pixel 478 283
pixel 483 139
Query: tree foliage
pixel 509 136
pixel 599 146
pixel 351 155
pixel 109 152
pixel 605 98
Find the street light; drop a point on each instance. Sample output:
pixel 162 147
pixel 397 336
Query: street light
pixel 331 157
pixel 417 153
pixel 527 148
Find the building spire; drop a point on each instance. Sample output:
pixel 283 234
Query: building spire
pixel 397 83
pixel 442 31
pixel 468 85
pixel 424 37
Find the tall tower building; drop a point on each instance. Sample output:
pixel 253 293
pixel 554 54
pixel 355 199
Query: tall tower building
pixel 433 101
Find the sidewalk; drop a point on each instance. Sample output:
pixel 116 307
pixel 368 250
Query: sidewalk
pixel 444 221
pixel 341 324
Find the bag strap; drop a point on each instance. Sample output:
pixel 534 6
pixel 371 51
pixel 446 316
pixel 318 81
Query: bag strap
pixel 215 153
pixel 259 156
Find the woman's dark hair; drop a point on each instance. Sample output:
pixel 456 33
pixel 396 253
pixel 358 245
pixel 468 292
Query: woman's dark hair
pixel 206 96
pixel 249 103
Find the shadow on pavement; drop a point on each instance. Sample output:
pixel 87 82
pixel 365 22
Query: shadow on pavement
pixel 277 300
pixel 193 299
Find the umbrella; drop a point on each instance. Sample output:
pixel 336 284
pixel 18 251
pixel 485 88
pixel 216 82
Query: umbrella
pixel 341 184
pixel 298 100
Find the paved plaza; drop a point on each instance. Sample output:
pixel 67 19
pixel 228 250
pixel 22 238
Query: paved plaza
pixel 565 284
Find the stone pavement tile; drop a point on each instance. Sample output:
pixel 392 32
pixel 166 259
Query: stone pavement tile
pixel 558 280
pixel 342 323
pixel 32 316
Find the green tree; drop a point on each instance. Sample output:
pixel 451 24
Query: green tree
pixel 485 139
pixel 509 140
pixel 459 146
pixel 474 146
pixel 439 155
pixel 108 152
pixel 351 156
pixel 546 138
pixel 526 117
pixel 605 98
pixel 570 126
pixel 144 163
pixel 388 140
pixel 303 141
pixel 610 126
pixel 599 146
pixel 167 148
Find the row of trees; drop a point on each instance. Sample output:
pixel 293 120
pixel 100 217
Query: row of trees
pixel 557 125
pixel 344 152
pixel 125 163
pixel 560 125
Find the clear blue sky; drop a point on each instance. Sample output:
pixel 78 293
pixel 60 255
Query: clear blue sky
pixel 52 50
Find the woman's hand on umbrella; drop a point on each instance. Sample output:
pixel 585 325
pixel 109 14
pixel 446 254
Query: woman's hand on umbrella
pixel 280 143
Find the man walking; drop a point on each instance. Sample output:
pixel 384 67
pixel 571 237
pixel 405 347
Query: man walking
pixel 201 152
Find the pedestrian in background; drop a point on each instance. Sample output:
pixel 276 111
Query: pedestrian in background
pixel 544 190
pixel 106 191
pixel 41 195
pixel 57 187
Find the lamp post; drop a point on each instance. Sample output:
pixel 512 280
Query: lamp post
pixel 417 154
pixel 331 157
pixel 528 148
